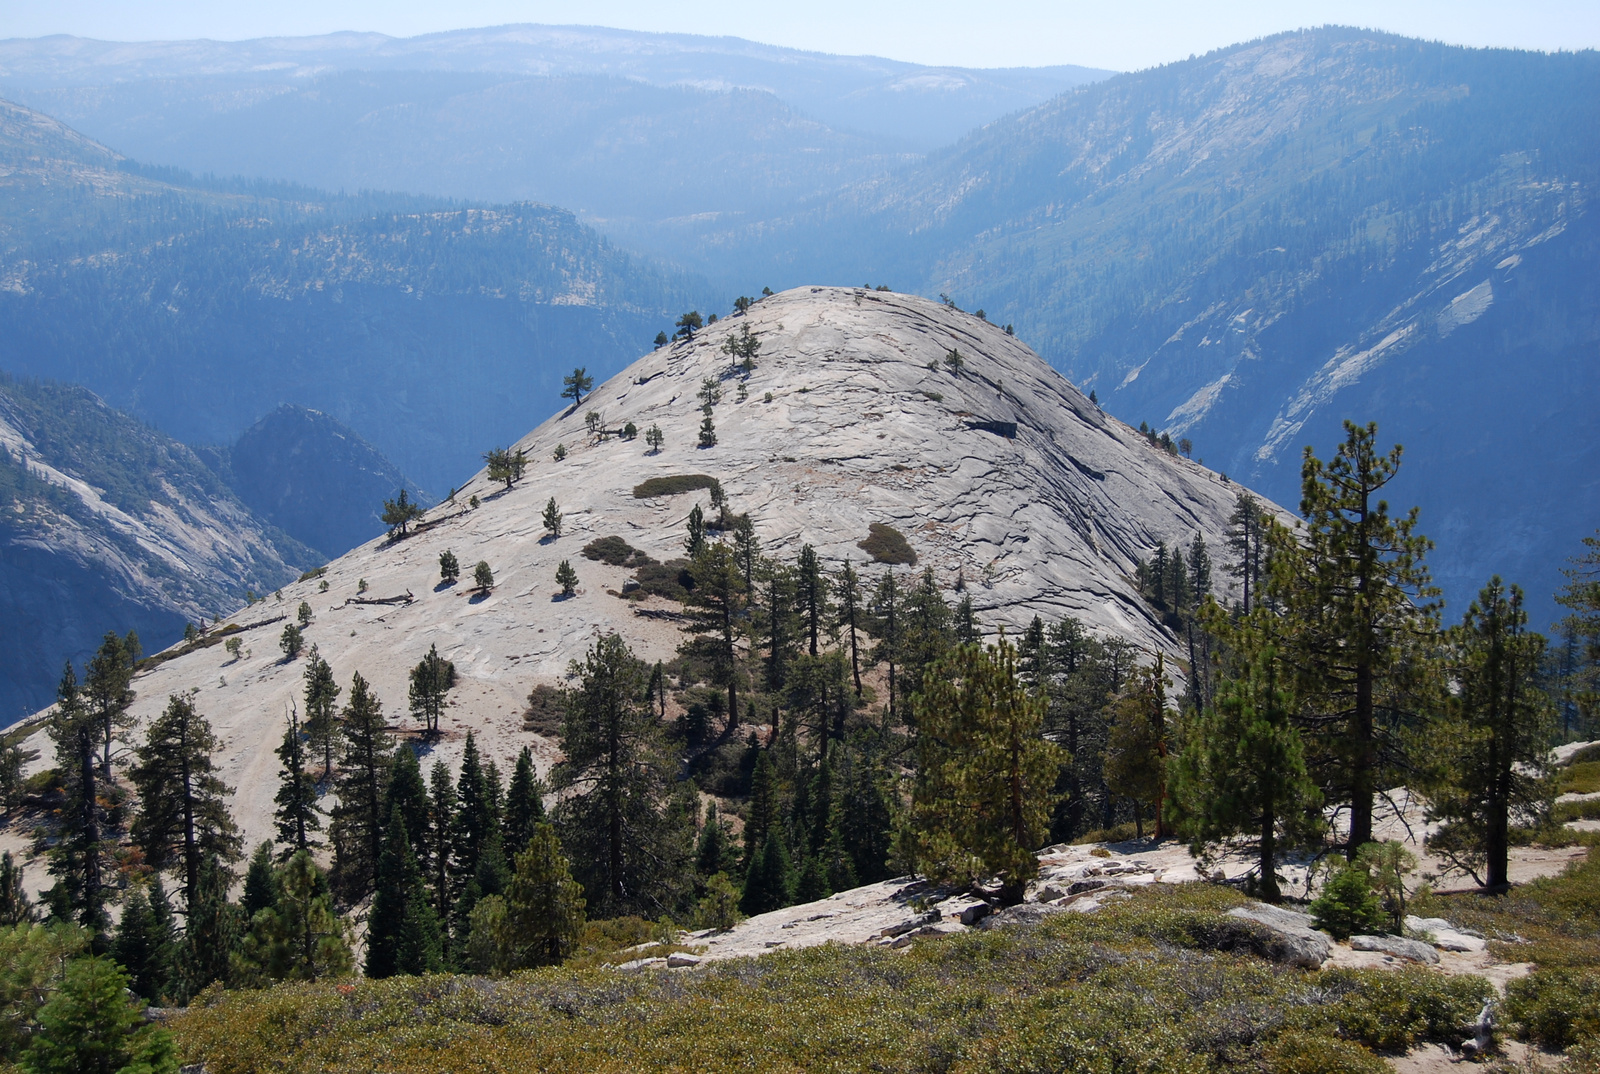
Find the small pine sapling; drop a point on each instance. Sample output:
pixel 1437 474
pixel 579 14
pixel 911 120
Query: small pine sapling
pixel 559 453
pixel 482 576
pixel 654 438
pixel 708 432
pixel 303 614
pixel 629 431
pixel 291 641
pixel 567 578
pixel 449 567
pixel 552 518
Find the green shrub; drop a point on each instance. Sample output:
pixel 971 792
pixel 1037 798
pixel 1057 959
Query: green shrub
pixel 885 544
pixel 1555 1007
pixel 1581 778
pixel 1297 1052
pixel 1565 811
pixel 1393 1010
pixel 616 552
pixel 671 486
pixel 1348 906
pixel 670 580
pixel 1585 755
pixel 1119 833
pixel 316 573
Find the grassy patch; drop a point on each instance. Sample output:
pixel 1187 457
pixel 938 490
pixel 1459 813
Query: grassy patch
pixel 616 552
pixel 670 580
pixel 1075 993
pixel 886 544
pixel 1581 778
pixel 671 486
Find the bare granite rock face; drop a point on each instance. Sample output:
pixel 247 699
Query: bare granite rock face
pixel 863 407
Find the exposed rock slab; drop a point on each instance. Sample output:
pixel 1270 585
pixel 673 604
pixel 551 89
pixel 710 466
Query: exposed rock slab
pixel 1398 946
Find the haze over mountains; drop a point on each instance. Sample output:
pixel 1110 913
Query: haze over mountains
pixel 1242 249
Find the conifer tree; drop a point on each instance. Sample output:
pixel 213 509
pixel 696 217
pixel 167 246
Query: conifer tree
pixel 402 931
pixel 627 851
pixel 576 385
pixel 982 795
pixel 441 829
pixel 849 618
pixel 886 610
pixel 1247 530
pixel 431 681
pixel 400 512
pixel 298 938
pixel 146 942
pixel 210 934
pixel 781 631
pixel 717 605
pixel 764 806
pixel 812 590
pixel 322 715
pixel 358 820
pixel 1243 767
pixel 108 691
pixel 708 431
pixel 966 630
pixel 1581 597
pixel 449 567
pixel 502 464
pixel 15 906
pixel 769 883
pixel 183 815
pixel 928 630
pixel 1357 594
pixel 746 550
pixel 297 815
pixel 80 855
pixel 695 532
pixel 552 518
pixel 712 853
pixel 91 1026
pixel 567 578
pixel 1488 758
pixel 544 906
pixel 406 791
pixel 865 818
pixel 524 801
pixel 1137 746
pixel 260 883
pixel 654 438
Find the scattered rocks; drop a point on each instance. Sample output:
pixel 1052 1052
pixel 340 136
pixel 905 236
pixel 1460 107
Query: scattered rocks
pixel 1295 939
pixel 1398 946
pixel 1028 913
pixel 634 965
pixel 1446 937
pixel 911 923
pixel 682 960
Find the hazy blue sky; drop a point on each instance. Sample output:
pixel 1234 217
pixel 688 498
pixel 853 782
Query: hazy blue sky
pixel 1000 33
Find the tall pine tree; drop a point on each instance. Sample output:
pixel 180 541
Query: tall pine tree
pixel 357 828
pixel 402 931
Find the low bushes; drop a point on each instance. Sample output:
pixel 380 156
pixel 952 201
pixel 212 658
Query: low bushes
pixel 1556 1007
pixel 671 486
pixel 886 544
pixel 616 552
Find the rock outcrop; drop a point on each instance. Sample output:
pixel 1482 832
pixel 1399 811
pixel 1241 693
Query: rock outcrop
pixel 1004 479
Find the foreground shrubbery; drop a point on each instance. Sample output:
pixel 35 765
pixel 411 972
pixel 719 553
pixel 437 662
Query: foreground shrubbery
pixel 1148 983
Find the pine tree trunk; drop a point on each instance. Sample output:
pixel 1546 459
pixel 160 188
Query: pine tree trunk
pixel 1268 862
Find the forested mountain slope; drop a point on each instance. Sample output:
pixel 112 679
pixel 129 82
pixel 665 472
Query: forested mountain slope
pixel 431 329
pixel 1248 247
pixel 105 524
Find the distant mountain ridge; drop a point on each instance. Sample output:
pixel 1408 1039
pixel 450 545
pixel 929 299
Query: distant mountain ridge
pixel 105 524
pixel 434 330
pixel 313 477
pixel 1248 247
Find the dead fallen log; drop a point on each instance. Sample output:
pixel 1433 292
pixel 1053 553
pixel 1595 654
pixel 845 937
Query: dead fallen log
pixel 404 598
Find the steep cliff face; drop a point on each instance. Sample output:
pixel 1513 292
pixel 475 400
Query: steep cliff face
pixel 1001 476
pixel 313 477
pixel 106 524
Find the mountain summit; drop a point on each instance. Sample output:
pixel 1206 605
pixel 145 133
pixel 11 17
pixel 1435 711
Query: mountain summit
pixel 863 409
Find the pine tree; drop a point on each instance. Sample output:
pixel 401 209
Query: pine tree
pixel 145 943
pixel 812 590
pixel 441 833
pixel 982 796
pixel 502 464
pixel 713 853
pixel 781 630
pixel 966 630
pixel 1488 758
pixel 91 1026
pixel 865 817
pixel 929 634
pixel 15 906
pixel 1356 593
pixel 400 512
pixel 183 814
pixel 474 816
pixel 402 931
pixel 630 853
pixel 449 567
pixel 322 717
pixel 654 438
pixel 524 802
pixel 695 532
pixel 297 815
pixel 849 618
pixel 544 905
pixel 210 934
pixel 108 691
pixel 576 386
pixel 717 605
pixel 260 884
pixel 483 576
pixel 552 519
pixel 1136 749
pixel 1247 530
pixel 1581 597
pixel 746 550
pixel 567 578
pixel 431 681
pixel 357 828
pixel 888 614
pixel 80 855
pixel 769 882
pixel 1243 768
pixel 406 791
pixel 299 938
pixel 1199 569
pixel 708 431
pixel 764 809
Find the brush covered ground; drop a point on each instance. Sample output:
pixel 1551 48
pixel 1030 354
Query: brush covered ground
pixel 1160 981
